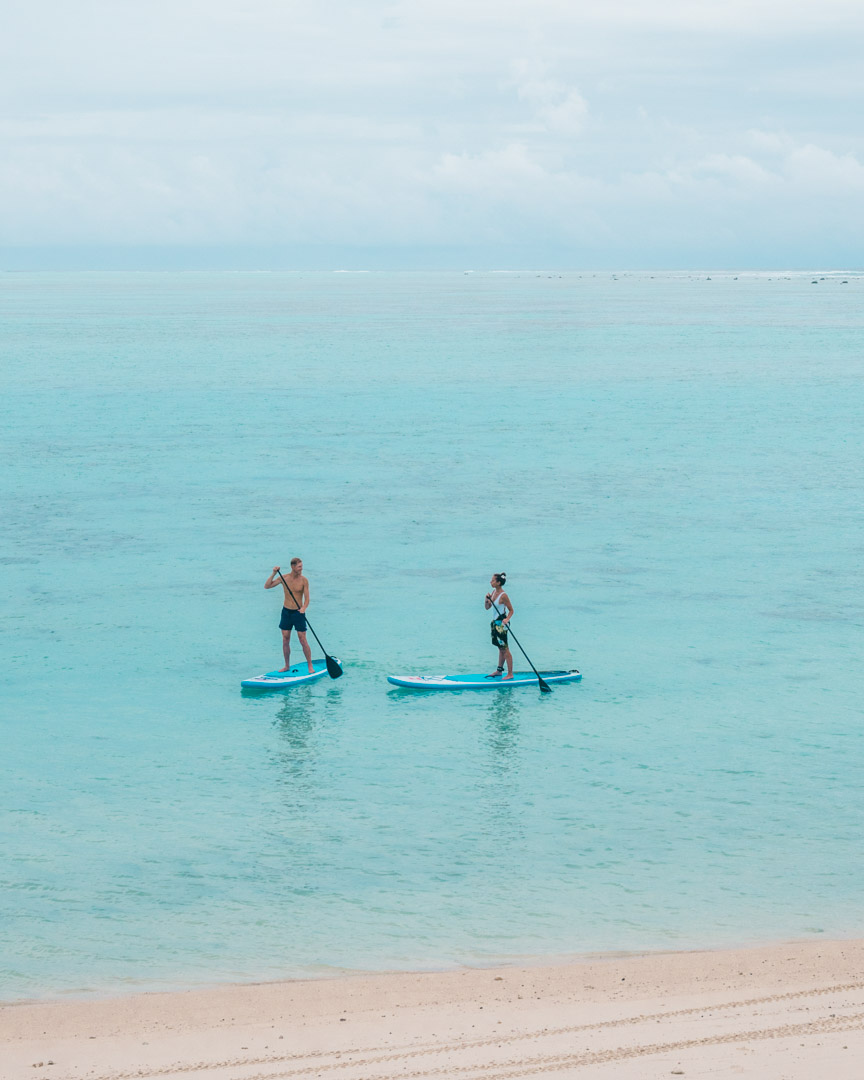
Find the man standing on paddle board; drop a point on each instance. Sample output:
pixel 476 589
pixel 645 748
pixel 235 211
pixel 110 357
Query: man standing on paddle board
pixel 499 599
pixel 296 590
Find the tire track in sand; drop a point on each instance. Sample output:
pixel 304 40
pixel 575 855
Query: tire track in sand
pixel 321 1062
pixel 522 1067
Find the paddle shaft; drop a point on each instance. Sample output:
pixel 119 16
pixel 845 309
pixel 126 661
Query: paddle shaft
pixel 544 686
pixel 330 660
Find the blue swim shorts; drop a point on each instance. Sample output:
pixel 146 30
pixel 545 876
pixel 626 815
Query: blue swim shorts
pixel 293 620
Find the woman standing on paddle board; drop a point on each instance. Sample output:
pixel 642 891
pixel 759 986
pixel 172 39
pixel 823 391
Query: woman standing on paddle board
pixel 500 600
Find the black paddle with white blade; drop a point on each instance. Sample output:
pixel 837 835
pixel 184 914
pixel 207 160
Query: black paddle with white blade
pixel 334 669
pixel 544 686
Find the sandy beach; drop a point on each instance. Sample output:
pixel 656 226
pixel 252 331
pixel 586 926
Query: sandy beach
pixel 785 1011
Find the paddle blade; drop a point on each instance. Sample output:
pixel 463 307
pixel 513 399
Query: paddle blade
pixel 545 688
pixel 334 668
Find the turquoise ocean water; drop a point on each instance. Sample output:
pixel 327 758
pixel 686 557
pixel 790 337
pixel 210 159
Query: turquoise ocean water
pixel 668 467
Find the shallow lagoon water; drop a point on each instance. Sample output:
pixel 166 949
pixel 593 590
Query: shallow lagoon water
pixel 669 470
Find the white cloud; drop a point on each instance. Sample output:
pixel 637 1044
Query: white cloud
pixel 511 167
pixel 777 17
pixel 769 142
pixel 736 168
pixel 568 117
pixel 558 108
pixel 822 171
pixel 430 121
pixel 198 125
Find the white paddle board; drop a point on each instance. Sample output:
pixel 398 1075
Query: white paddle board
pixel 295 676
pixel 480 682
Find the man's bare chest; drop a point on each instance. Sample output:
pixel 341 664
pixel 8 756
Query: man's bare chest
pixel 298 588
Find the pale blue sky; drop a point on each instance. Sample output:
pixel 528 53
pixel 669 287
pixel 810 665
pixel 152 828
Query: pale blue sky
pixel 627 134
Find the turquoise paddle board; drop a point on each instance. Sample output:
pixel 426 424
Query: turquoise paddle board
pixel 280 680
pixel 480 682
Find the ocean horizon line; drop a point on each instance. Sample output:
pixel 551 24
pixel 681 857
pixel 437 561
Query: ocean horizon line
pixel 582 271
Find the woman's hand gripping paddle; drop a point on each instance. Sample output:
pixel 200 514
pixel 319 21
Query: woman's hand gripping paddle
pixel 333 668
pixel 544 686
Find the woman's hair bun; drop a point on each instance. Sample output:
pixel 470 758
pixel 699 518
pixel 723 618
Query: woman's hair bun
pixel 502 577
